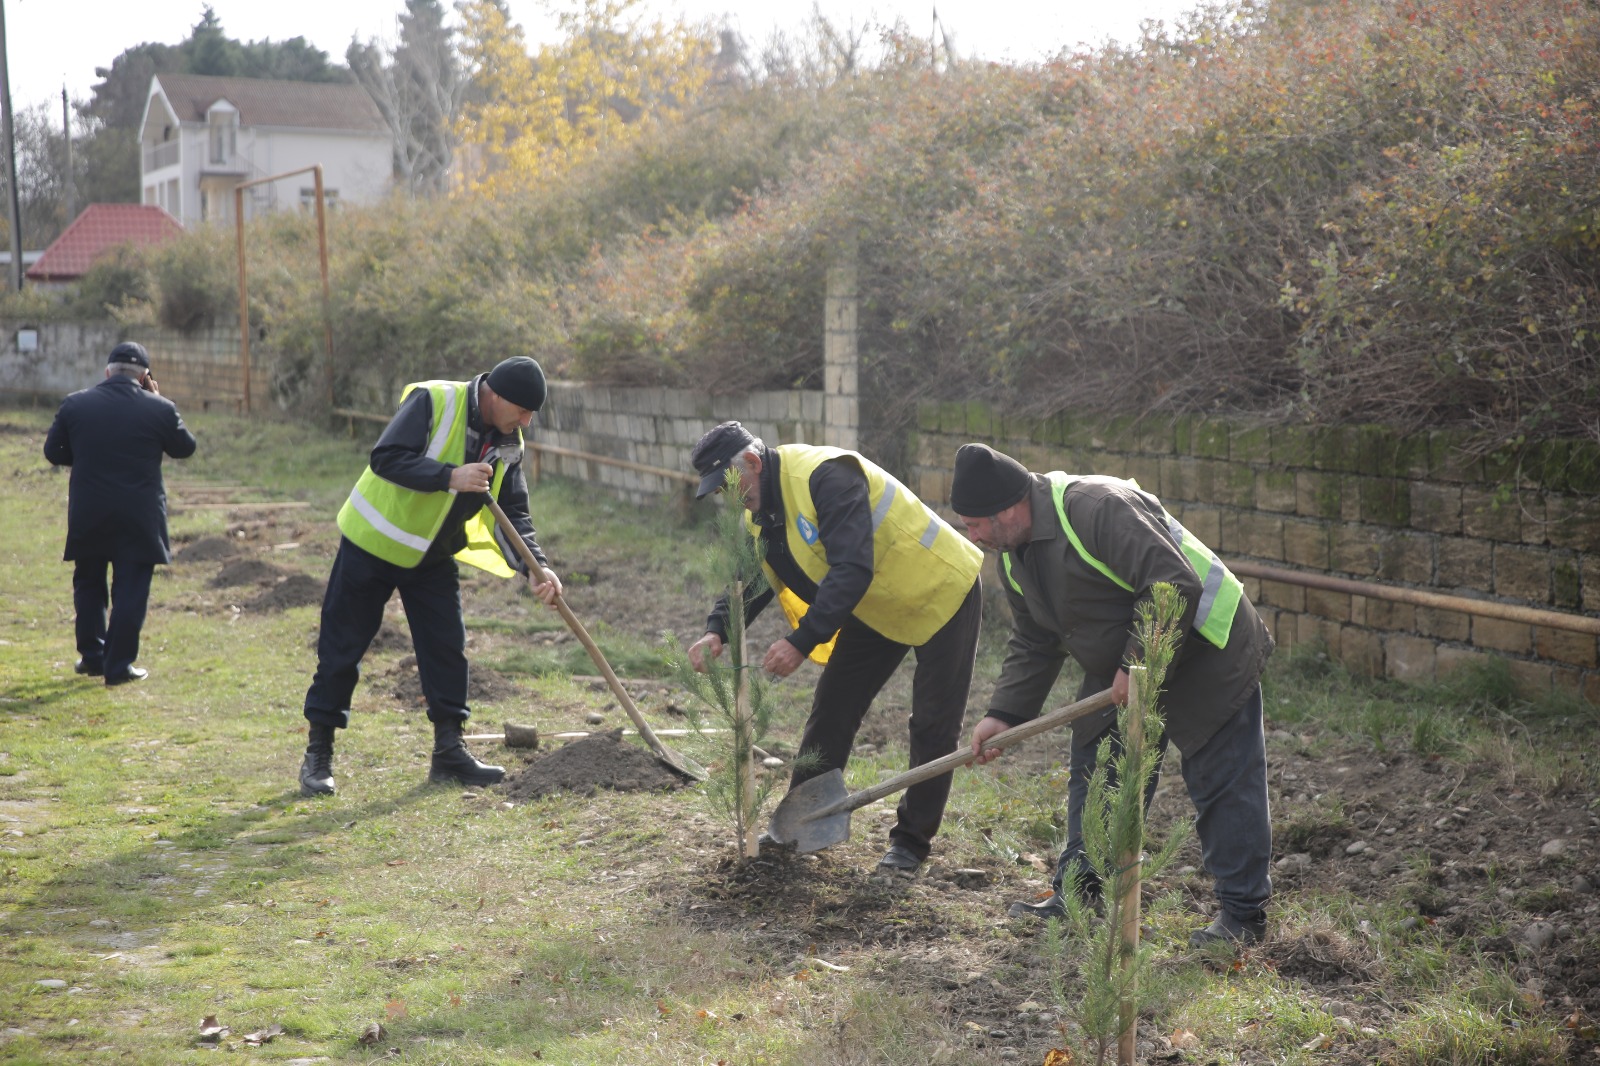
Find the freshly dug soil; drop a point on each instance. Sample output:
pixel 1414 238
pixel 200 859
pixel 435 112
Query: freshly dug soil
pixel 484 685
pixel 207 550
pixel 246 572
pixel 595 762
pixel 296 590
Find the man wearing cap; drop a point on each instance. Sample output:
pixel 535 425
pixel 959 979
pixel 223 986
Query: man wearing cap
pixel 420 506
pixel 113 436
pixel 865 573
pixel 1078 555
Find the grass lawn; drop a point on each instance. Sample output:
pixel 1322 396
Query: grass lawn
pixel 165 893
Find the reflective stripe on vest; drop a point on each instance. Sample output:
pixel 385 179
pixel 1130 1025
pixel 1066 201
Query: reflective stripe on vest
pixel 1220 591
pixel 397 524
pixel 922 569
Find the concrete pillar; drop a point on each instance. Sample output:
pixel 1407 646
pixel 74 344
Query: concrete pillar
pixel 841 374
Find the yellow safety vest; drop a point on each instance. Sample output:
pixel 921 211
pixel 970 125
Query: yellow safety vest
pixel 1220 590
pixel 922 569
pixel 398 524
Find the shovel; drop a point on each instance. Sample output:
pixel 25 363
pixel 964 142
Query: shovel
pixel 675 759
pixel 816 814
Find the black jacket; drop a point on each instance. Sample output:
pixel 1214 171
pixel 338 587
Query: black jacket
pixel 113 436
pixel 400 456
pixel 844 523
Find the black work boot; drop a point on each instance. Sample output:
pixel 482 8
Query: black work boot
pixel 316 771
pixel 453 763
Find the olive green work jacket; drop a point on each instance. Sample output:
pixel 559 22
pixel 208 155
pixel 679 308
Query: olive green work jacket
pixel 1067 607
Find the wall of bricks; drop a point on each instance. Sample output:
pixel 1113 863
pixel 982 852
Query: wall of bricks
pixel 1356 502
pixel 658 427
pixel 198 371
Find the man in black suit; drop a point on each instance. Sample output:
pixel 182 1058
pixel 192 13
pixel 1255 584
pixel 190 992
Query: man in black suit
pixel 113 437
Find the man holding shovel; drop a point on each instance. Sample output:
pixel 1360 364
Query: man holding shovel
pixel 865 573
pixel 1078 554
pixel 420 506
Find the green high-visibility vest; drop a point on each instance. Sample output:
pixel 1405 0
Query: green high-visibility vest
pixel 398 524
pixel 1220 591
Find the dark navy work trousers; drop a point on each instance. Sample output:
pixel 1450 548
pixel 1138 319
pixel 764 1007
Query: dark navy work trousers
pixel 1227 783
pixel 111 644
pixel 861 663
pixel 352 610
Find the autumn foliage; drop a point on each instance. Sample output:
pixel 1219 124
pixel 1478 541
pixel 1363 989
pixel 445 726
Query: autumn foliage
pixel 1347 210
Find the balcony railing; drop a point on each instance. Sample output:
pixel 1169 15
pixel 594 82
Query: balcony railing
pixel 161 155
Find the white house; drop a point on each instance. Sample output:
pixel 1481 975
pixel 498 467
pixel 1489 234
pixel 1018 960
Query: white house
pixel 201 136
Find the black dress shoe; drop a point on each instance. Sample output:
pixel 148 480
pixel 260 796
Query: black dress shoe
pixel 134 673
pixel 899 859
pixel 88 669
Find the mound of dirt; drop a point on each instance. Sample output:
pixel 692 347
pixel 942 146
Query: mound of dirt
pixel 207 550
pixel 483 684
pixel 296 590
pixel 391 638
pixel 595 762
pixel 246 572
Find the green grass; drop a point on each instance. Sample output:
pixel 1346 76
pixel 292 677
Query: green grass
pixel 156 856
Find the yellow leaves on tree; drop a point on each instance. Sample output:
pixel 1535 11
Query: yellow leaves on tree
pixel 610 76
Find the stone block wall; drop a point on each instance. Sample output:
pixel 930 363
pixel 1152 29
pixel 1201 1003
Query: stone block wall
pixel 657 427
pixel 198 371
pixel 1361 503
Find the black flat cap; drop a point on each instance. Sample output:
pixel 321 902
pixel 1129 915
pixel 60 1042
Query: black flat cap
pixel 986 481
pixel 519 380
pixel 714 451
pixel 130 352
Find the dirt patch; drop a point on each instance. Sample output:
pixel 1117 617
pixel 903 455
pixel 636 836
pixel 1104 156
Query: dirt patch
pixel 246 572
pixel 590 764
pixel 207 550
pixel 296 590
pixel 484 685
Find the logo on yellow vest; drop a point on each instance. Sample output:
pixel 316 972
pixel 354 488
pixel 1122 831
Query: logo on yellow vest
pixel 806 529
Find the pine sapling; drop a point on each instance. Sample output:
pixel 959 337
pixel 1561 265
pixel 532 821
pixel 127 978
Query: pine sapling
pixel 1112 968
pixel 732 691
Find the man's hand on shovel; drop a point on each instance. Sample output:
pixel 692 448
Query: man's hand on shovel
pixel 545 585
pixel 989 728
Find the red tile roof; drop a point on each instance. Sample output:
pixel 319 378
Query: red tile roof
pixel 302 104
pixel 100 228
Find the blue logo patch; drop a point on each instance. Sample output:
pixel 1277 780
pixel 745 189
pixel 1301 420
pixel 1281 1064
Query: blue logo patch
pixel 807 531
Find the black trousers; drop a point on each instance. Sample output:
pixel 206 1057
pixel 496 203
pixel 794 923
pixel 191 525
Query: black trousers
pixel 110 644
pixel 352 610
pixel 861 664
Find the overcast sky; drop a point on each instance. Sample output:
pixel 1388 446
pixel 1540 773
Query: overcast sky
pixel 51 43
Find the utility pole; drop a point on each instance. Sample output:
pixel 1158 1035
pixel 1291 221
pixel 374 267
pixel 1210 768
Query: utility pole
pixel 66 131
pixel 11 159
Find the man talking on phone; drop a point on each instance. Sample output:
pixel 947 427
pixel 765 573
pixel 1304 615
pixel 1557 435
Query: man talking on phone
pixel 114 436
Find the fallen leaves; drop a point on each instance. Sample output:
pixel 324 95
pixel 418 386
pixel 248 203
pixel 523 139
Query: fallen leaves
pixel 211 1030
pixel 1184 1040
pixel 263 1036
pixel 1058 1056
pixel 371 1035
pixel 395 1008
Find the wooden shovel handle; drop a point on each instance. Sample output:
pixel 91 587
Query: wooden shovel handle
pixel 963 756
pixel 582 634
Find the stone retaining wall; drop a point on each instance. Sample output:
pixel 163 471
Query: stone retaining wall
pixel 198 371
pixel 658 427
pixel 1362 503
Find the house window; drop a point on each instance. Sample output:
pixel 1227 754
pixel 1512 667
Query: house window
pixel 308 198
pixel 224 136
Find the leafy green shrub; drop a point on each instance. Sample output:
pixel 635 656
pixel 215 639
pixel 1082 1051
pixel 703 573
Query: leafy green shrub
pixel 117 278
pixel 196 281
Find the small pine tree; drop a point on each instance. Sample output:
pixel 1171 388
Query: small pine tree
pixel 1111 976
pixel 732 790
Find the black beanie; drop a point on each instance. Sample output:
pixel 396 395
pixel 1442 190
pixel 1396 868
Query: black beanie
pixel 986 482
pixel 520 381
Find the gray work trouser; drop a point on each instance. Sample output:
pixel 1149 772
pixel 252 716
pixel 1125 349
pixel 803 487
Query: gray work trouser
pixel 1227 782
